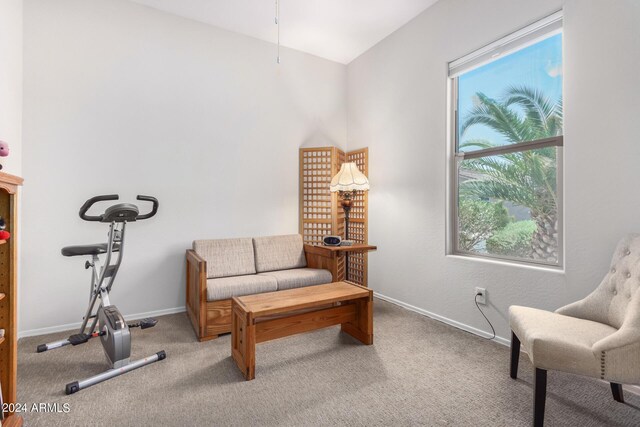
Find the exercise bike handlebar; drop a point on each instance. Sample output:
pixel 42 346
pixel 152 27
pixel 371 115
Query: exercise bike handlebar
pixel 154 208
pixel 92 201
pixel 108 197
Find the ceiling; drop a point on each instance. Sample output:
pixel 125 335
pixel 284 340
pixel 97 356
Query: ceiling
pixel 339 30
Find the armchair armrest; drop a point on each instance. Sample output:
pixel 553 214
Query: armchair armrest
pixel 623 337
pixel 575 309
pixel 588 308
pixel 629 332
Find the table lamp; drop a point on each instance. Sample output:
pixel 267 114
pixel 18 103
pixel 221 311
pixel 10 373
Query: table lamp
pixel 347 182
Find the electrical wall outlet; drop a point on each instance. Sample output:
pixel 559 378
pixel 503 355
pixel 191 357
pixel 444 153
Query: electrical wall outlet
pixel 481 295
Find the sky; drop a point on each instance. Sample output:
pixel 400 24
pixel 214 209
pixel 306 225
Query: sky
pixel 538 66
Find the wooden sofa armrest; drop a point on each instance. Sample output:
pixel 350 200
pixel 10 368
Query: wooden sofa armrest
pixel 318 250
pixel 193 257
pixel 196 290
pixel 199 265
pixel 320 257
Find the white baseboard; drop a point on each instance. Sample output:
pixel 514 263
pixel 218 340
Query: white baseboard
pixel 71 326
pixel 454 323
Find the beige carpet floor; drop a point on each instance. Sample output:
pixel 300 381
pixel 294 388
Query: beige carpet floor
pixel 418 372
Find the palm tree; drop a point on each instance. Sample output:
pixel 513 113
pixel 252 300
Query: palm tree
pixel 525 178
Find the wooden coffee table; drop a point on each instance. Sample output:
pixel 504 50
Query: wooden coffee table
pixel 264 317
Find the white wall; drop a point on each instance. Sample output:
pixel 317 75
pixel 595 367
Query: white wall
pixel 11 83
pixel 119 98
pixel 397 107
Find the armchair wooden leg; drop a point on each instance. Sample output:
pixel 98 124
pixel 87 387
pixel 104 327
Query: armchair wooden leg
pixel 515 355
pixel 539 396
pixel 616 389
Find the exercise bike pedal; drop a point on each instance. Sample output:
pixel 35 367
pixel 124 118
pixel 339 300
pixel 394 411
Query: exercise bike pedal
pixel 77 339
pixel 149 322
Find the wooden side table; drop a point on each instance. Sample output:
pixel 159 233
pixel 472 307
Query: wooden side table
pixel 326 257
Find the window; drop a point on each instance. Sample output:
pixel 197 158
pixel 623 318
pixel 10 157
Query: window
pixel 507 132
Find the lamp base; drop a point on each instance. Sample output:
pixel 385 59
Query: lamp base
pixel 346 200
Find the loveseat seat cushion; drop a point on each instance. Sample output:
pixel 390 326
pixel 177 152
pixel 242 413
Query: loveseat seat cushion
pixel 279 252
pixel 299 277
pixel 237 286
pixel 227 257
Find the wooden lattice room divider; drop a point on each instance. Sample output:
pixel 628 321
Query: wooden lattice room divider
pixel 320 211
pixel 359 221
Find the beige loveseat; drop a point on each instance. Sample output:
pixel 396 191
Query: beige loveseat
pixel 218 270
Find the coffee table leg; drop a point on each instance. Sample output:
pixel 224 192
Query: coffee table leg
pixel 362 327
pixel 243 342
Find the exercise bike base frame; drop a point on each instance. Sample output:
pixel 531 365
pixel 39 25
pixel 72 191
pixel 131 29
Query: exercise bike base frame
pixel 76 386
pixel 145 323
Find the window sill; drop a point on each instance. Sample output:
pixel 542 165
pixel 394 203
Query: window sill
pixel 506 263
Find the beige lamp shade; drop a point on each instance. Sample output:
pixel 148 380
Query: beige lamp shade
pixel 349 179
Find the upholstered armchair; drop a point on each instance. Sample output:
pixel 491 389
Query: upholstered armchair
pixel 598 336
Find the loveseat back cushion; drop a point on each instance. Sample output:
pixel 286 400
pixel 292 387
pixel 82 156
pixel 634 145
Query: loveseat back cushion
pixel 279 252
pixel 226 257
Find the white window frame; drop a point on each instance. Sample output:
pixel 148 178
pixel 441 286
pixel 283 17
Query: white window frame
pixel 518 40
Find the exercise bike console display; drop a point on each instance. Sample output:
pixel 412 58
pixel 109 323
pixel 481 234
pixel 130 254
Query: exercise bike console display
pixel 106 321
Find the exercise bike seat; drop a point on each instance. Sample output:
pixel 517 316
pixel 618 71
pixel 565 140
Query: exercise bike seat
pixel 95 249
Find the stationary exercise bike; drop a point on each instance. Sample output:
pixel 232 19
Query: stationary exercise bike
pixel 111 328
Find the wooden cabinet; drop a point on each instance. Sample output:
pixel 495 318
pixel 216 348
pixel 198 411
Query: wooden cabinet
pixel 8 286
